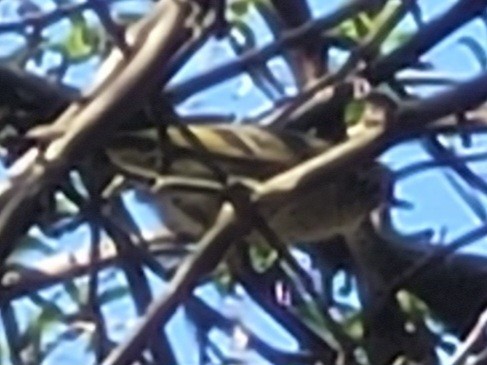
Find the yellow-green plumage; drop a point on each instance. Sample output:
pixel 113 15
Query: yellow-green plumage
pixel 332 207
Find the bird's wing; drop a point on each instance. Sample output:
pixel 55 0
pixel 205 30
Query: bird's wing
pixel 240 150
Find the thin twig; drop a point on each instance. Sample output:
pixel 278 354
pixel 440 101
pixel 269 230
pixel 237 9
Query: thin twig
pixel 180 92
pixel 476 335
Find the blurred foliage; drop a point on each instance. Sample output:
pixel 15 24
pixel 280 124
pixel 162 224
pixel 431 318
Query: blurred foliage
pixel 83 40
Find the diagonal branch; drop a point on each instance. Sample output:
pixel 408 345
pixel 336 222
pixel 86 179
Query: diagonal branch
pixel 307 61
pixel 180 92
pixel 413 116
pixel 475 339
pixel 426 38
pixel 207 317
pixel 90 121
pixel 227 228
pixel 380 70
pixel 210 252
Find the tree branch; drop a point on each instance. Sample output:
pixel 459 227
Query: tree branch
pixel 179 92
pixel 475 339
pixel 464 96
pixel 210 252
pixel 427 37
pixel 307 61
pixel 206 317
pixel 91 121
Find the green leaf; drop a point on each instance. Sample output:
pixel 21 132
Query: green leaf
pixel 82 41
pixel 363 25
pixel 224 280
pixel 262 257
pixel 412 305
pixel 50 314
pixel 386 12
pixel 354 111
pixel 354 326
pixel 240 8
pixel 348 29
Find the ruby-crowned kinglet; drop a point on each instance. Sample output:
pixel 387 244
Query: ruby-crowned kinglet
pixel 333 206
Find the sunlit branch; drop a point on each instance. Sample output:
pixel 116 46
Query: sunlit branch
pixel 54 270
pixel 123 93
pixel 474 339
pixel 380 70
pixel 333 81
pixel 116 99
pixel 228 228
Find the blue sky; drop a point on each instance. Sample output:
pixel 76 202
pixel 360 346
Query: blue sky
pixel 436 205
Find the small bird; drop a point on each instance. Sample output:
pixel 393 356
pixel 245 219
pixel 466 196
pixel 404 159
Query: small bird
pixel 251 154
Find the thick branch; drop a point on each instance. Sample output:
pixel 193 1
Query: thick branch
pixel 122 93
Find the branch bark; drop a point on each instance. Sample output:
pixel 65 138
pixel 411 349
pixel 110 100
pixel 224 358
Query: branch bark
pixel 92 120
pixel 378 71
pixel 308 59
